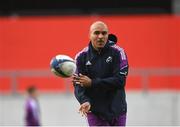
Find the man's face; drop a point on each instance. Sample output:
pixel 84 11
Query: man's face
pixel 35 94
pixel 98 36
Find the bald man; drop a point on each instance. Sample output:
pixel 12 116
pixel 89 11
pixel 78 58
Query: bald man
pixel 100 79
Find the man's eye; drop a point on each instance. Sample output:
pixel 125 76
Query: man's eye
pixel 96 32
pixel 104 32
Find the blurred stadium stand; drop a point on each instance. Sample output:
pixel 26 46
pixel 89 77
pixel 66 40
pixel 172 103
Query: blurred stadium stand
pixel 70 7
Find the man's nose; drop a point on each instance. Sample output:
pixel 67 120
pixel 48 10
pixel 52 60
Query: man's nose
pixel 101 35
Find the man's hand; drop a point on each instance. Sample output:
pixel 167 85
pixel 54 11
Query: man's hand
pixel 82 80
pixel 85 108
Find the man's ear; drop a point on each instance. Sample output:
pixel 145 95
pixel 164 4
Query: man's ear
pixel 89 35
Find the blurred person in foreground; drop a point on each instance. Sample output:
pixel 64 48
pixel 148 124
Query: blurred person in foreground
pixel 100 79
pixel 32 109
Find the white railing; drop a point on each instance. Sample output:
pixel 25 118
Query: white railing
pixel 144 73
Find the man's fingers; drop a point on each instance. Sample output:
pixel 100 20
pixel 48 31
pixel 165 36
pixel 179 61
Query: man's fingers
pixel 84 113
pixel 81 75
pixel 83 110
pixel 75 80
pixel 79 82
pixel 75 74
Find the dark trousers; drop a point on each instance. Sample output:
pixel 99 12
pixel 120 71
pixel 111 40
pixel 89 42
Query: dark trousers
pixel 93 120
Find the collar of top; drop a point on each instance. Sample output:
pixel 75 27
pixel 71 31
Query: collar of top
pixel 92 49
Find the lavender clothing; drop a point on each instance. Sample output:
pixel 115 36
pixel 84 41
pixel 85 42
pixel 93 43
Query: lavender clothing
pixel 94 120
pixel 32 116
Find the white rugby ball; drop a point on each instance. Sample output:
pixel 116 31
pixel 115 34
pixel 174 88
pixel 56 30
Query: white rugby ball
pixel 63 66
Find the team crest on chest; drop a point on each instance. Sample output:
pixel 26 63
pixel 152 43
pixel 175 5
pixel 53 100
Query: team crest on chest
pixel 109 59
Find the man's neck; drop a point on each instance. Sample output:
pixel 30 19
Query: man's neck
pixel 98 50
